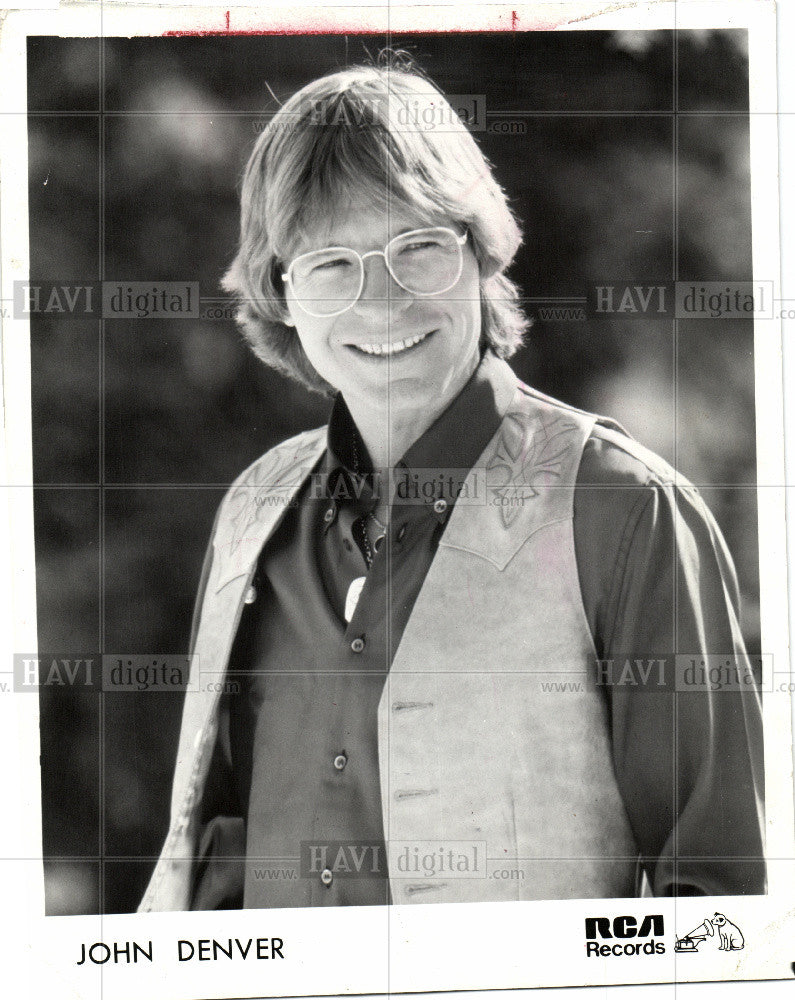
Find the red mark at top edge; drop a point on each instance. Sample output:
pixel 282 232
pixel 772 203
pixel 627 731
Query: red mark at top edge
pixel 317 30
pixel 331 30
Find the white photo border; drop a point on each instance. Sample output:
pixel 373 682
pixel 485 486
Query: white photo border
pixel 388 949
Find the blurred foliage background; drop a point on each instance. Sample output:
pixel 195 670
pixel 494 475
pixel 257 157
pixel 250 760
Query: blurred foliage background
pixel 136 147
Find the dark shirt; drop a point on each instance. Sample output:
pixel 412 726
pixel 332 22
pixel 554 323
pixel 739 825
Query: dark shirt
pixel 309 699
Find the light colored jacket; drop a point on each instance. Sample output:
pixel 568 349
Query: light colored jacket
pixel 481 741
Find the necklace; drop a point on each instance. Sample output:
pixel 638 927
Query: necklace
pixel 368 552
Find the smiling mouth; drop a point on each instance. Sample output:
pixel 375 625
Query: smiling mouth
pixel 391 349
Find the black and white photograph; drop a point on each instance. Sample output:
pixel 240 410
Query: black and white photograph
pixel 395 438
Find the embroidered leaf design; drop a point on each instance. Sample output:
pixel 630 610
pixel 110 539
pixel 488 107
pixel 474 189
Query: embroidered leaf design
pixel 526 458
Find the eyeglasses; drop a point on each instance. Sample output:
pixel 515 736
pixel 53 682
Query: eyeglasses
pixel 423 262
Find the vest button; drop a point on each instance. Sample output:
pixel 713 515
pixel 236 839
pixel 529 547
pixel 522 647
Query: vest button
pixel 328 517
pixel 358 644
pixel 326 877
pixel 340 761
pixel 440 506
pixel 401 532
pixel 251 594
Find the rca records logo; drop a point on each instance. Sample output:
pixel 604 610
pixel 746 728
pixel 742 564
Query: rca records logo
pixel 724 934
pixel 648 931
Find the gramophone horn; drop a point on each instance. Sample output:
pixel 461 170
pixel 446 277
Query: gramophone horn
pixel 703 930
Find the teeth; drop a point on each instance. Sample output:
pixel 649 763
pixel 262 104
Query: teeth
pixel 396 348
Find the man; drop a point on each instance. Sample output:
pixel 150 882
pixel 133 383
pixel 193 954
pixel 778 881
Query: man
pixel 421 603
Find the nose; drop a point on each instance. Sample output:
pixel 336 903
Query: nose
pixel 380 290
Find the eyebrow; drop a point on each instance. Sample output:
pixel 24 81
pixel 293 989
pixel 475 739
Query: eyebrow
pixel 403 230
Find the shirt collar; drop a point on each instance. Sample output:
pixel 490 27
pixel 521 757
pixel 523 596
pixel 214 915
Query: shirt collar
pixel 439 459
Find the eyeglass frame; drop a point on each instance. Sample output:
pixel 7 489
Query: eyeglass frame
pixel 460 240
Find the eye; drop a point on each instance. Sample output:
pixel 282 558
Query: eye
pixel 329 265
pixel 425 243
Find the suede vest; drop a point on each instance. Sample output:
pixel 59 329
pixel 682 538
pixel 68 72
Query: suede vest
pixel 493 738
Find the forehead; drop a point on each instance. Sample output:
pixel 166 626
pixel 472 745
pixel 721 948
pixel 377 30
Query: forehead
pixel 363 228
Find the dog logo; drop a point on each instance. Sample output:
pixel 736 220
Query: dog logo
pixel 729 935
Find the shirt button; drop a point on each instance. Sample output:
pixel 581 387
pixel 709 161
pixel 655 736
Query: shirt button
pixel 251 594
pixel 328 517
pixel 440 506
pixel 401 533
pixel 358 644
pixel 340 761
pixel 326 877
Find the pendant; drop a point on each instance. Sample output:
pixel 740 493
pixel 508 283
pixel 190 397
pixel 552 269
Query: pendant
pixel 354 592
